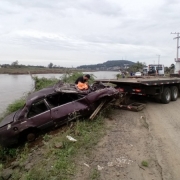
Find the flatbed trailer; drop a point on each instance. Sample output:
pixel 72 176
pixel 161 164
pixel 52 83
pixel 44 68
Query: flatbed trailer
pixel 164 89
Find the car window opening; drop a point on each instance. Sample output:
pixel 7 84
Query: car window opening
pixel 37 108
pixel 60 99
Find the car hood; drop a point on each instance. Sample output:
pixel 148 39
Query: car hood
pixel 8 119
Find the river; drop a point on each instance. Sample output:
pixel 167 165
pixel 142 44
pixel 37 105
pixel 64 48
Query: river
pixel 13 87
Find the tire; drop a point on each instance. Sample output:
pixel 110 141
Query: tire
pixel 166 96
pixel 174 93
pixel 31 137
pixel 28 135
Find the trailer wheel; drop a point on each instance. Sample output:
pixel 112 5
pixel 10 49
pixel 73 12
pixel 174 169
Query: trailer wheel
pixel 174 93
pixel 166 96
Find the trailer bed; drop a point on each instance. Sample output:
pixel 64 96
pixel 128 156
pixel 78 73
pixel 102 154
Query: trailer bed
pixel 144 81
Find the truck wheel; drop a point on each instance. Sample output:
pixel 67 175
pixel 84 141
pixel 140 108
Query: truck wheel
pixel 166 96
pixel 174 93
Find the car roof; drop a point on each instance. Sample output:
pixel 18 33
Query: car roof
pixel 60 87
pixel 40 94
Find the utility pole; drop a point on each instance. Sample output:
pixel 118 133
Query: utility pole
pixel 158 63
pixel 177 54
pixel 158 59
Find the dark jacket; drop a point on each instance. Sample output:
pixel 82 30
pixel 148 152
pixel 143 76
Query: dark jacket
pixel 80 79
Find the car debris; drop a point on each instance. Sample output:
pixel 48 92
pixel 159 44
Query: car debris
pixel 110 164
pixel 52 107
pixel 86 165
pixel 97 110
pixel 132 107
pixel 71 138
pixel 100 168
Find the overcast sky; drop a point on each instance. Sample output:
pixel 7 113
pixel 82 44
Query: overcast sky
pixel 75 32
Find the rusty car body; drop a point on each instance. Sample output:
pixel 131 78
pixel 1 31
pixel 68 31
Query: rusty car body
pixel 51 107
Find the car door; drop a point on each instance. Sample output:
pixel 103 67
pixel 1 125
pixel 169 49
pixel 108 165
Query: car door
pixel 68 109
pixel 39 115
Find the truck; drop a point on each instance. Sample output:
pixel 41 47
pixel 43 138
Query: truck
pixel 153 69
pixel 165 89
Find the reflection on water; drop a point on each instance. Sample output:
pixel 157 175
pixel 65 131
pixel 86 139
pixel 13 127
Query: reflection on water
pixel 13 87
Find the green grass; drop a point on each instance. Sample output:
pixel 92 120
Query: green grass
pixel 41 83
pixel 95 174
pixel 17 104
pixel 144 163
pixel 87 133
pixel 7 154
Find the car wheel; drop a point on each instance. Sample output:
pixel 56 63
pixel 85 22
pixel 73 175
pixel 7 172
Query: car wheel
pixel 174 93
pixel 166 96
pixel 28 135
pixel 31 137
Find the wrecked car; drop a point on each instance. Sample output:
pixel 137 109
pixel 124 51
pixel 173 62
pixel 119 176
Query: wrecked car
pixel 51 107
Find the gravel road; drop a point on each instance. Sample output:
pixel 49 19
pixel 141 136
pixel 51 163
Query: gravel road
pixel 152 135
pixel 164 123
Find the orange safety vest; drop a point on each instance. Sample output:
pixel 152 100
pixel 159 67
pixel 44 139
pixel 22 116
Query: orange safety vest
pixel 82 86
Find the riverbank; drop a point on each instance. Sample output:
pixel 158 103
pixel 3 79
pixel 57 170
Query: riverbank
pixel 19 71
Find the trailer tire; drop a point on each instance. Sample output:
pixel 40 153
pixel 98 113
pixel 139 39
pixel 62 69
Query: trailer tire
pixel 174 93
pixel 166 96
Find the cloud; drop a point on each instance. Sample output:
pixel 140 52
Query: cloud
pixel 70 32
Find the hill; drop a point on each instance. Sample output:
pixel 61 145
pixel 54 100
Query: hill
pixel 108 65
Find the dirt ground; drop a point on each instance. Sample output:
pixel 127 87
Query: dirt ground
pixel 152 136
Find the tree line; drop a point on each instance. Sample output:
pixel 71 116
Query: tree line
pixel 15 64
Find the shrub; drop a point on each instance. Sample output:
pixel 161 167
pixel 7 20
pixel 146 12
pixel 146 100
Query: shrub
pixel 17 104
pixel 41 83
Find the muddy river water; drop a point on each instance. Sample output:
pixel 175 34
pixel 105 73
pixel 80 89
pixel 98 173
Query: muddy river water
pixel 13 87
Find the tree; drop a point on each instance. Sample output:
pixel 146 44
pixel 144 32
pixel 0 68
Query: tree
pixel 136 67
pixel 15 63
pixel 172 66
pixel 167 70
pixel 50 65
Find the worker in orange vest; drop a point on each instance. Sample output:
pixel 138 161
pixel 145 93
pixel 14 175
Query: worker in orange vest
pixel 82 82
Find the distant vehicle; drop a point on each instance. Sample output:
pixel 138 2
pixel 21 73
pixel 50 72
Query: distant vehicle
pixel 138 74
pixel 154 69
pixel 51 107
pixel 145 70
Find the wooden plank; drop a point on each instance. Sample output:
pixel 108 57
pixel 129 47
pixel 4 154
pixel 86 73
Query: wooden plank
pixel 97 110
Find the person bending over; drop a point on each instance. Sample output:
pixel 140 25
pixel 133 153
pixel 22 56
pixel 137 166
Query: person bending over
pixel 82 82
